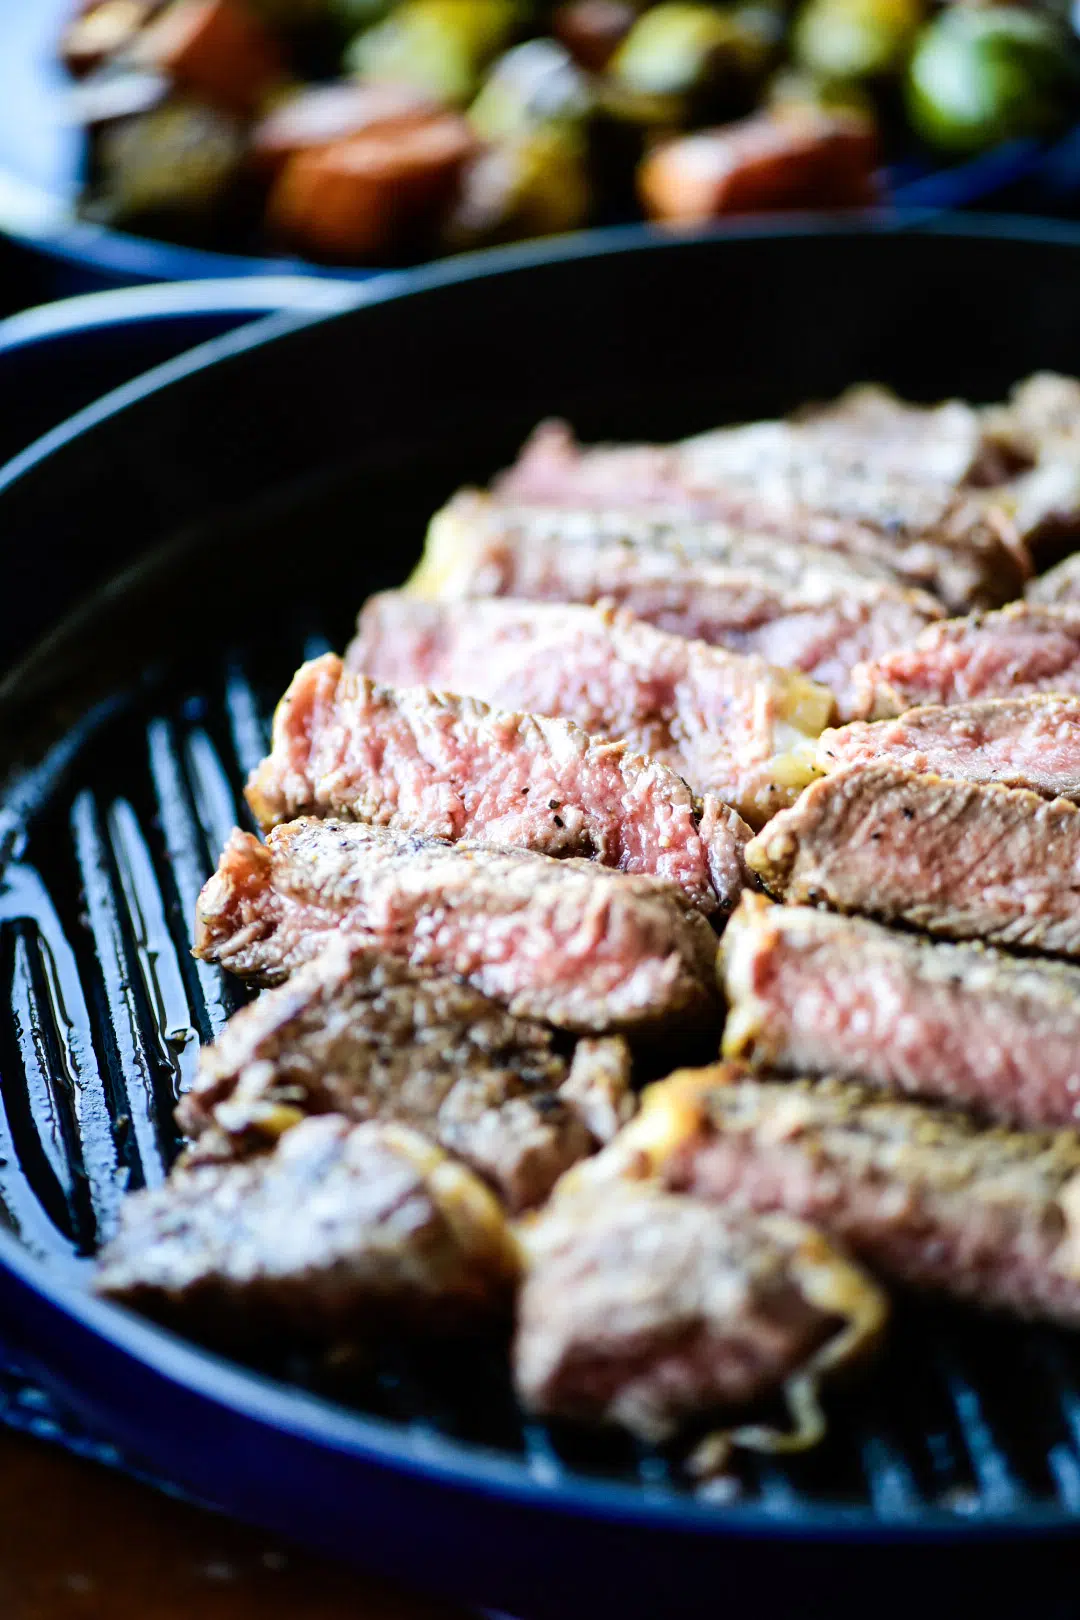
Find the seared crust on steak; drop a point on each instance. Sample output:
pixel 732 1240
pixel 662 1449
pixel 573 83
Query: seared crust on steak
pixel 365 1036
pixel 960 859
pixel 1023 649
pixel 918 1194
pixel 339 1231
pixel 1028 742
pixel 454 768
pixel 718 719
pixel 868 475
pixel 812 993
pixel 696 581
pixel 567 942
pixel 644 1308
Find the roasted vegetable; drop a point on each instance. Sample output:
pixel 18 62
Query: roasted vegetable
pixel 533 183
pixel 378 195
pixel 856 39
pixel 331 113
pixel 172 168
pixel 535 83
pixel 439 46
pixel 979 76
pixel 681 60
pixel 216 50
pixel 592 30
pixel 802 158
pixel 791 88
pixel 575 109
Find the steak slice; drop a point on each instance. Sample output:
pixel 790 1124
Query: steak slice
pixel 645 1308
pixel 364 1036
pixel 341 1230
pixel 716 718
pixel 1021 650
pixel 917 1194
pixel 961 859
pixel 478 535
pixel 427 762
pixel 823 623
pixel 869 476
pixel 570 943
pixel 1029 742
pixel 1041 425
pixel 813 993
pixel 1059 587
pixel 1040 422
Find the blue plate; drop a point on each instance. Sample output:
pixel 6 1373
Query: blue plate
pixel 41 155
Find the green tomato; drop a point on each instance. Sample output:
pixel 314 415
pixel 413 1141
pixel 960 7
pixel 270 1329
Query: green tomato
pixel 980 76
pixel 855 39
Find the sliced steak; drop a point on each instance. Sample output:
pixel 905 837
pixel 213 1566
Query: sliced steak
pixel 570 943
pixel 1060 587
pixel 1029 742
pixel 812 993
pixel 427 762
pixel 367 1037
pixel 645 1308
pixel 960 859
pixel 716 718
pixel 341 1230
pixel 868 475
pixel 1023 649
pixel 1040 422
pixel 477 537
pixel 823 624
pixel 1041 425
pixel 918 1194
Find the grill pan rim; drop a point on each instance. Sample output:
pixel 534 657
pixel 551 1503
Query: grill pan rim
pixel 461 1465
pixel 391 286
pixel 479 1469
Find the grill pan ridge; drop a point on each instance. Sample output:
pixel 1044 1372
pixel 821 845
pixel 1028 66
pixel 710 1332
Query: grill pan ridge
pixel 125 740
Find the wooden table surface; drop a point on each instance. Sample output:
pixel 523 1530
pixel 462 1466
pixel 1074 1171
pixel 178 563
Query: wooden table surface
pixel 79 1542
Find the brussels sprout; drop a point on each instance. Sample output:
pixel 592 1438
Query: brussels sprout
pixel 536 183
pixel 535 83
pixel 792 87
pixel 174 164
pixel 683 62
pixel 673 49
pixel 856 39
pixel 980 76
pixel 439 46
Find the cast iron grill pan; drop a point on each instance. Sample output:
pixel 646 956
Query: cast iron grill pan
pixel 109 841
pixel 125 738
